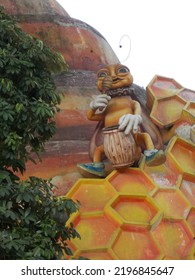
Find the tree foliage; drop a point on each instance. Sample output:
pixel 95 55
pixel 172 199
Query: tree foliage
pixel 32 220
pixel 29 224
pixel 28 96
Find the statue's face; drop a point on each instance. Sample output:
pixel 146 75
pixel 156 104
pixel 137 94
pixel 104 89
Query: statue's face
pixel 118 75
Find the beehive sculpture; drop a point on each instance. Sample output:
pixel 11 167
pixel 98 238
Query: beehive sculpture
pixel 145 212
pixel 140 213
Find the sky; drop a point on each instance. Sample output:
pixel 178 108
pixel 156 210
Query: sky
pixel 151 37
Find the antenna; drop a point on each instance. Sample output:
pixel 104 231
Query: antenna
pixel 120 45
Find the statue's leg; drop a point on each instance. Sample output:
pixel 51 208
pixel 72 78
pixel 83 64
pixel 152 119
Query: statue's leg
pixel 153 156
pixel 144 138
pixel 98 153
pixel 95 168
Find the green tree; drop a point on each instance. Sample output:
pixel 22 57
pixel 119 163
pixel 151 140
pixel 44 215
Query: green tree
pixel 28 97
pixel 32 220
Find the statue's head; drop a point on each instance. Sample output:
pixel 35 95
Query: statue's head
pixel 114 76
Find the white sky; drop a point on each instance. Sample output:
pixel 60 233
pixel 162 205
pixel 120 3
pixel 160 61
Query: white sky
pixel 162 34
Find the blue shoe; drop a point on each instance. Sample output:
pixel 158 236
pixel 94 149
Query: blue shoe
pixel 154 157
pixel 94 168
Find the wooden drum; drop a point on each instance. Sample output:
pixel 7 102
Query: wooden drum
pixel 119 148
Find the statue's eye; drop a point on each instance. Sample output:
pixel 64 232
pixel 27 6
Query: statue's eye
pixel 102 74
pixel 123 70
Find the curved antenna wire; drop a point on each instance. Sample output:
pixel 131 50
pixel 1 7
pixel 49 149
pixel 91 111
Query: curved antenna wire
pixel 120 46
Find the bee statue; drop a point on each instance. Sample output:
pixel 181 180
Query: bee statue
pixel 122 117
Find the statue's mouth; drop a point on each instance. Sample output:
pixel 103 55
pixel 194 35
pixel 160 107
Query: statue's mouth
pixel 116 80
pixel 123 91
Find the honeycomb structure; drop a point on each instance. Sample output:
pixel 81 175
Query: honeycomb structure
pixel 144 213
pixel 170 102
pixel 139 213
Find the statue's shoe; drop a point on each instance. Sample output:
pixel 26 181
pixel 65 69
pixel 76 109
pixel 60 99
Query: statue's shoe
pixel 94 168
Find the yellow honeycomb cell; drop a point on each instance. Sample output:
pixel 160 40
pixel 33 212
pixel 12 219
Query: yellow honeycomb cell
pixel 161 87
pixel 181 156
pixel 166 111
pixel 162 176
pixel 93 194
pixel 132 181
pixel 134 211
pixel 136 245
pixel 174 238
pixel 173 204
pixel 97 231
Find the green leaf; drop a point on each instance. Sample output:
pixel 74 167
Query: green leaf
pixel 19 107
pixel 26 197
pixel 68 251
pixel 9 204
pixel 27 212
pixel 37 252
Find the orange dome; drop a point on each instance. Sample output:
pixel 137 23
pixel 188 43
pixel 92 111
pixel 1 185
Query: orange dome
pixel 82 46
pixel 37 7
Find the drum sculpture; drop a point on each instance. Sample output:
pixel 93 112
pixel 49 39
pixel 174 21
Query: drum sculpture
pixel 119 148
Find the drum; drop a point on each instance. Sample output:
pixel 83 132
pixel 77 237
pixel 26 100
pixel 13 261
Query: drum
pixel 119 148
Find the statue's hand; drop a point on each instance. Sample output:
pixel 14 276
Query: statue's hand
pixel 129 122
pixel 100 102
pixel 106 84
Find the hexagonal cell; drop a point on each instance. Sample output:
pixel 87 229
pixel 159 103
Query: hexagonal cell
pixel 181 155
pixel 174 237
pixel 93 194
pixel 98 254
pixel 134 211
pixel 95 231
pixel 162 176
pixel 132 181
pixel 188 188
pixel 191 220
pixel 136 245
pixel 164 83
pixel 167 111
pixel 161 87
pixel 187 94
pixel 173 204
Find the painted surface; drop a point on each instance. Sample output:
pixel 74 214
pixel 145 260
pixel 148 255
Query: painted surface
pixel 169 102
pixel 140 213
pixel 152 209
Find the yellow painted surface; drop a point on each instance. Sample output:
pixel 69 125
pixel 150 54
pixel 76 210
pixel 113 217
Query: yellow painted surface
pixel 137 213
